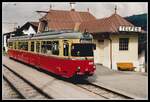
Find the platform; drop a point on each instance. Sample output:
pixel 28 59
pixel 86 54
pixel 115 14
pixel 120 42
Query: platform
pixel 132 83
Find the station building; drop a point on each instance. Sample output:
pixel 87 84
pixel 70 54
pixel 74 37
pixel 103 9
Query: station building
pixel 116 39
pixel 116 42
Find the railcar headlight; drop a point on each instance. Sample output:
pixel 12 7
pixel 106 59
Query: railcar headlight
pixel 91 63
pixel 78 68
pixel 94 66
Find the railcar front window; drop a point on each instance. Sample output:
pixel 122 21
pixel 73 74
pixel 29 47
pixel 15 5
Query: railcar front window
pixel 82 50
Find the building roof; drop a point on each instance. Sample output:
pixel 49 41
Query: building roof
pixel 109 24
pixel 35 23
pixel 28 24
pixel 60 19
pixel 25 26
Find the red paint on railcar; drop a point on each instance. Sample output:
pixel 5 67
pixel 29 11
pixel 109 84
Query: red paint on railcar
pixel 63 67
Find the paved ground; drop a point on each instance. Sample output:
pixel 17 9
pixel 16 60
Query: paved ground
pixel 132 83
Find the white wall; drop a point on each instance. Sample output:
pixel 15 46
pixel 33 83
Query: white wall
pixel 96 53
pixel 29 31
pixel 106 61
pixel 103 56
pixel 101 52
pixel 131 55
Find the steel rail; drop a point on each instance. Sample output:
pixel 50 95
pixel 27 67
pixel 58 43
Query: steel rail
pixel 14 88
pixel 26 81
pixel 108 91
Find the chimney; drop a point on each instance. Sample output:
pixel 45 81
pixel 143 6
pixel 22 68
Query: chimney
pixel 50 7
pixel 88 9
pixel 72 5
pixel 115 9
pixel 76 27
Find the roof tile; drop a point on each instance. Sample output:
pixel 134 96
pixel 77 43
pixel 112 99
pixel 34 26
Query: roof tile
pixel 59 19
pixel 109 24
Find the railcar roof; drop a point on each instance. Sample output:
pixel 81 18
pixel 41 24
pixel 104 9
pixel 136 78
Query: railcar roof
pixel 53 35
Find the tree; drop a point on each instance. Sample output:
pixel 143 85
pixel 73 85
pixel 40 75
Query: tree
pixel 138 20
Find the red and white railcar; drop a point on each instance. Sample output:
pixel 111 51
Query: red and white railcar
pixel 64 53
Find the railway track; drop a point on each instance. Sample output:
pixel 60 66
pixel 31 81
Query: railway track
pixel 23 88
pixel 102 91
pixel 9 92
pixel 27 90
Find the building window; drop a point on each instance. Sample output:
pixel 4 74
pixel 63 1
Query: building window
pixel 123 43
pixel 46 27
pixel 66 48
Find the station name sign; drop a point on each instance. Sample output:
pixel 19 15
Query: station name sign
pixel 129 29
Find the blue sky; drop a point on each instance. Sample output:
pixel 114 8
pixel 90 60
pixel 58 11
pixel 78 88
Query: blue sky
pixel 22 12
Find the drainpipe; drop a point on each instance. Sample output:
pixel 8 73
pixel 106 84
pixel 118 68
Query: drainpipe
pixel 110 53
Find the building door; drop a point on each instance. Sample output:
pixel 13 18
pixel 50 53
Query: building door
pixel 99 52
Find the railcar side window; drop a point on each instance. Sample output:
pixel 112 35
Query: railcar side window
pixel 25 46
pixel 32 46
pixel 46 47
pixel 55 48
pixel 49 44
pixel 15 45
pixel 66 49
pixel 43 47
pixel 10 44
pixel 37 46
pixel 19 45
pixel 49 47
